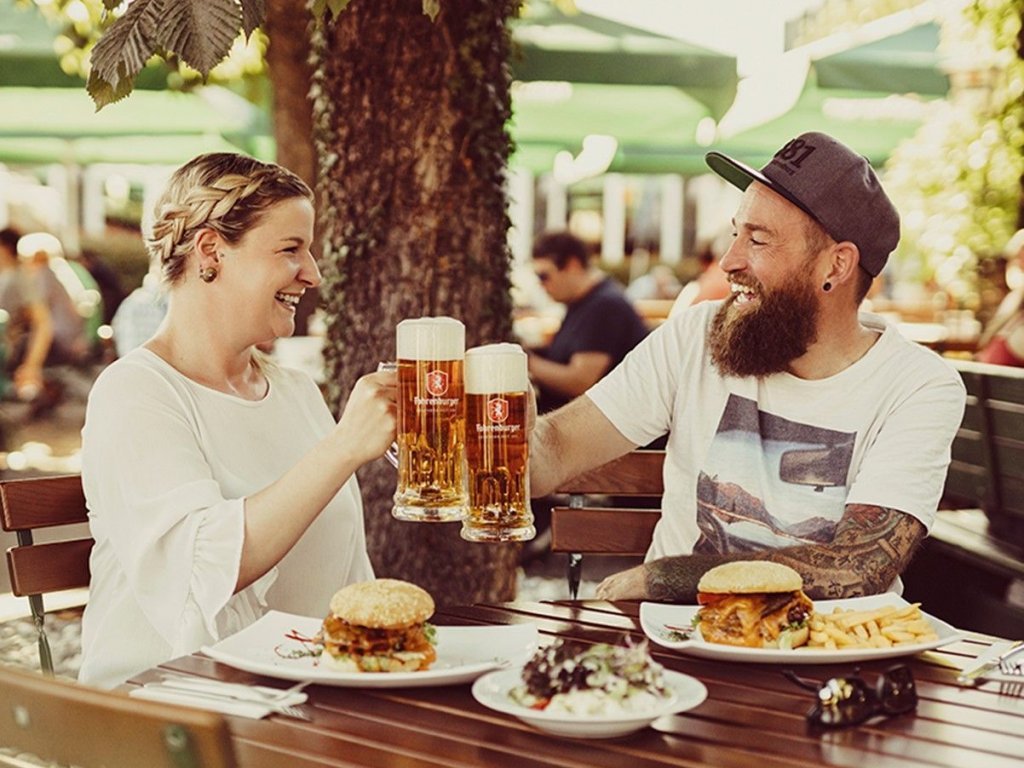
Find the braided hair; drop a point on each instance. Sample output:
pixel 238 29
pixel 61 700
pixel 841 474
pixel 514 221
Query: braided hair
pixel 221 190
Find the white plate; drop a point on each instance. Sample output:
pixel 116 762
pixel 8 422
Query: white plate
pixel 655 616
pixel 492 690
pixel 463 653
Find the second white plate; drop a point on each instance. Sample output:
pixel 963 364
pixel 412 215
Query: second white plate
pixel 463 653
pixel 492 690
pixel 658 620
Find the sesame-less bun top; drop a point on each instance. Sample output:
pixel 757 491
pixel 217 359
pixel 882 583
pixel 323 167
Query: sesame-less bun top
pixel 382 604
pixel 744 576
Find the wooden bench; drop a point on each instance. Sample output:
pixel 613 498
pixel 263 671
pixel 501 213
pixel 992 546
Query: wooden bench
pixel 595 524
pixel 974 557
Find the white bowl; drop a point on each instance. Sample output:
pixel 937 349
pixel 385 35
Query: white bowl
pixel 492 690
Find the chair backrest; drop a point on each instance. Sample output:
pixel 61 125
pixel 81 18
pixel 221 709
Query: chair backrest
pixel 37 569
pixel 987 468
pixel 73 724
pixel 591 524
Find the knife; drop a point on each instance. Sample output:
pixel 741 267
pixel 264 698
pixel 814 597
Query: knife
pixel 982 670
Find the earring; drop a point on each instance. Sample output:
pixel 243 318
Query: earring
pixel 827 286
pixel 208 274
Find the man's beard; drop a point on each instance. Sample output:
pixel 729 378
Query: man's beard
pixel 766 340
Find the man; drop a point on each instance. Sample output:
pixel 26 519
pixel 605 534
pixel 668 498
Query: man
pixel 599 328
pixel 801 431
pixel 30 328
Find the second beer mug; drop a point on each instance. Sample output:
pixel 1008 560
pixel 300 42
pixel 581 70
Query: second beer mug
pixel 496 445
pixel 431 425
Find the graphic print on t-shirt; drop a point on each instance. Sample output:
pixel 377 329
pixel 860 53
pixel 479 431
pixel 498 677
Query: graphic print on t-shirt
pixel 769 482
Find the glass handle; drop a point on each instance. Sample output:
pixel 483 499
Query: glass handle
pixel 391 454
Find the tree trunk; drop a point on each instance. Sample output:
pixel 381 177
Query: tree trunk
pixel 288 25
pixel 409 122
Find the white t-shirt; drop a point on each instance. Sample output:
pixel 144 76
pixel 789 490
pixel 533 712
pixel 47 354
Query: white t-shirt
pixel 166 466
pixel 765 463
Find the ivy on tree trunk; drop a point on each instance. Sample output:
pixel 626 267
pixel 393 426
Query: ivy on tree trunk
pixel 408 123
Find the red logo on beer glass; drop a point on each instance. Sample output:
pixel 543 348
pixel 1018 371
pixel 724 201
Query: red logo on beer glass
pixel 497 409
pixel 437 383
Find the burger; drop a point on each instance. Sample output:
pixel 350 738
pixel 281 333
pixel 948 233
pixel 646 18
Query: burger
pixel 379 626
pixel 755 604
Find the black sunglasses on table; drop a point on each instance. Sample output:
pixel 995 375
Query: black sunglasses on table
pixel 845 701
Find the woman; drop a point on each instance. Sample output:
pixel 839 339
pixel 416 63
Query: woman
pixel 218 483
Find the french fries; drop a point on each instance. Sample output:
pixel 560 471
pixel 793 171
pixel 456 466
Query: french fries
pixel 877 628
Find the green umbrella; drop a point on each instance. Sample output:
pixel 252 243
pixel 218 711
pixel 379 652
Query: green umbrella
pixel 582 48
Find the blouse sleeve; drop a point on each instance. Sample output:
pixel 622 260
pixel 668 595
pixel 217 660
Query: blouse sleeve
pixel 153 500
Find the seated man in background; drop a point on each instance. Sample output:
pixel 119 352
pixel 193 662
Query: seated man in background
pixel 800 431
pixel 599 328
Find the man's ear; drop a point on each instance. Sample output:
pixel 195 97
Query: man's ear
pixel 844 257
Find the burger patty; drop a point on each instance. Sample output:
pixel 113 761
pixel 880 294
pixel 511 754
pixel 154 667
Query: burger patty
pixel 342 637
pixel 751 619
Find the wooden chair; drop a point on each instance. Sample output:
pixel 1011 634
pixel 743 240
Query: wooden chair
pixel 76 725
pixel 592 526
pixel 38 569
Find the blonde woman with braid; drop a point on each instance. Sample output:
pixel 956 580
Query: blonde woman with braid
pixel 218 483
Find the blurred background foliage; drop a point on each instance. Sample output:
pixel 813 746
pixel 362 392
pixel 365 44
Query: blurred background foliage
pixel 83 21
pixel 957 183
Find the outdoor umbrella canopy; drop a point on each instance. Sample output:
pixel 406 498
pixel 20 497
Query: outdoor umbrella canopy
pixel 582 48
pixel 873 124
pixel 907 62
pixel 655 126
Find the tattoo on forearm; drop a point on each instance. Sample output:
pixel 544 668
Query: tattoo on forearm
pixel 871 547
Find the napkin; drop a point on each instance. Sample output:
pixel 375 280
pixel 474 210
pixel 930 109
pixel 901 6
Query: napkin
pixel 213 702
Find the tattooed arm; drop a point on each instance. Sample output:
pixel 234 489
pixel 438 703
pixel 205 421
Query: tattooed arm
pixel 871 547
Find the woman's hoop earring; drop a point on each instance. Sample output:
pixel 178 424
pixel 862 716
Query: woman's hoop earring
pixel 208 274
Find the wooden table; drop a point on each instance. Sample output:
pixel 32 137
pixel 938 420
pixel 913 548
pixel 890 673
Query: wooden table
pixel 753 716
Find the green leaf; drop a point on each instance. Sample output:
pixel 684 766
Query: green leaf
pixel 432 8
pixel 253 14
pixel 111 4
pixel 319 6
pixel 337 6
pixel 127 45
pixel 103 93
pixel 200 31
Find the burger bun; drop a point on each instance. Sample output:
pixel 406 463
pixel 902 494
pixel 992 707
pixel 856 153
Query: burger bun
pixel 750 576
pixel 382 604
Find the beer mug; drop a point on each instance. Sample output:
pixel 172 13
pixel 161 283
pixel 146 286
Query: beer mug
pixel 431 420
pixel 496 445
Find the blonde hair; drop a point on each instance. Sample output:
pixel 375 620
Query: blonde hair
pixel 223 191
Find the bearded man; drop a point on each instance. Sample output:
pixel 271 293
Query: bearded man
pixel 801 430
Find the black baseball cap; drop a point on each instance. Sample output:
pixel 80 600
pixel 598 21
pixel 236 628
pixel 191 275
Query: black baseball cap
pixel 833 185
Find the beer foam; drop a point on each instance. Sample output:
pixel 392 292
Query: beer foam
pixel 431 338
pixel 496 368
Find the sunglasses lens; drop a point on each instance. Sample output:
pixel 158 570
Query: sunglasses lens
pixel 843 701
pixel 896 691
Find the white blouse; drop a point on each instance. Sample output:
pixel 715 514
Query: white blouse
pixel 166 466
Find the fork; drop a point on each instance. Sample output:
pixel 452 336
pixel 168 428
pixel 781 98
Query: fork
pixel 1009 664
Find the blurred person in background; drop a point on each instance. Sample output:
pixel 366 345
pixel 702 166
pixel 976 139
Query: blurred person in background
pixel 29 331
pixel 1002 342
pixel 42 257
pixel 712 283
pixel 600 324
pixel 139 316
